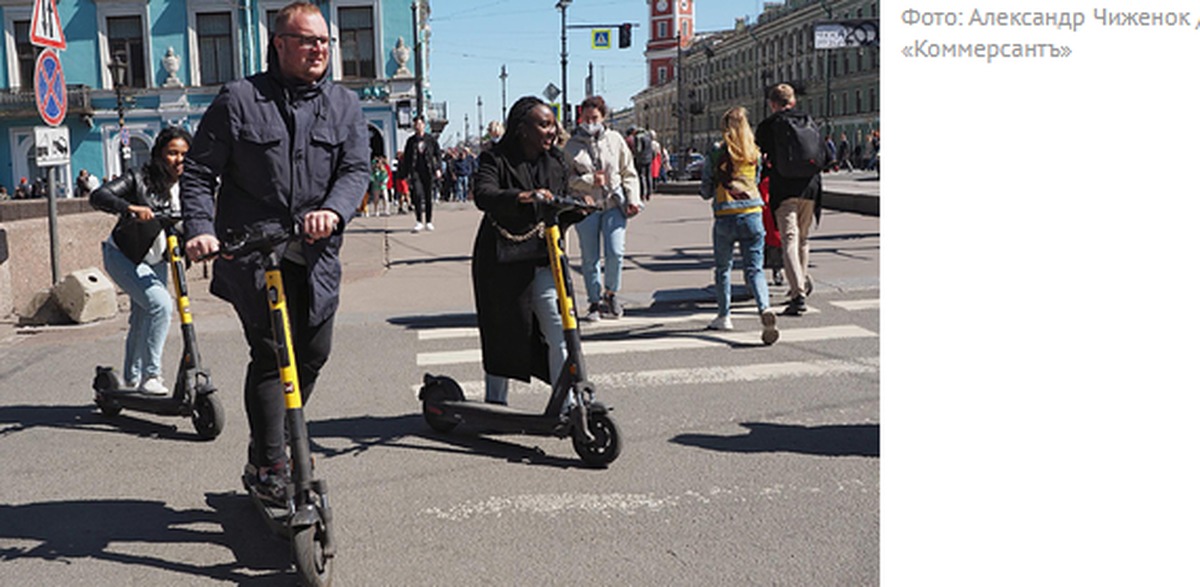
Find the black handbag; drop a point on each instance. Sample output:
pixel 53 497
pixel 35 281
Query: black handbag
pixel 519 248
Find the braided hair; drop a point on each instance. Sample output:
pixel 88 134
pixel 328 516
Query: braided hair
pixel 518 122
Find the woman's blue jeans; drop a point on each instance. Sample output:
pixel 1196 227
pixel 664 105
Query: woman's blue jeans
pixel 747 231
pixel 149 312
pixel 609 224
pixel 545 307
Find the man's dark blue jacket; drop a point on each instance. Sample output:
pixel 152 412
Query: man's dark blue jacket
pixel 279 150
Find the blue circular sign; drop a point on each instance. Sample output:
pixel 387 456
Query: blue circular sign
pixel 51 88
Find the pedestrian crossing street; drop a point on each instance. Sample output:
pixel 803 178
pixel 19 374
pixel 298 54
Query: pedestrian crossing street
pixel 678 331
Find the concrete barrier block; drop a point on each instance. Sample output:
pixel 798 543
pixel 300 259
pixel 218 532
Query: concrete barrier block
pixel 86 295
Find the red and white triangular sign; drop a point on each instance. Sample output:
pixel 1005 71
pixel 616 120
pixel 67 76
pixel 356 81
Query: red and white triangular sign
pixel 46 28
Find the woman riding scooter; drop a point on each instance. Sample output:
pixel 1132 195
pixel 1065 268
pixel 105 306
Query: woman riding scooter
pixel 134 254
pixel 519 323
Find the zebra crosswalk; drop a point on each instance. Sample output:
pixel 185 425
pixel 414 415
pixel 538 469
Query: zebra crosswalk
pixel 670 332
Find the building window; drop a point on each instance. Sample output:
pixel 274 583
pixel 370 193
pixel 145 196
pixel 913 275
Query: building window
pixel 125 43
pixel 214 37
pixel 357 43
pixel 661 30
pixel 858 104
pixel 662 75
pixel 26 55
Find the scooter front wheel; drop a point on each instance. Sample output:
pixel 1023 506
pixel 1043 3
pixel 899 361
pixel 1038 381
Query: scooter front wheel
pixel 607 444
pixel 312 562
pixel 208 416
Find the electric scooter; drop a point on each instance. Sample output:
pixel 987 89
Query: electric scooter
pixel 194 395
pixel 307 518
pixel 588 423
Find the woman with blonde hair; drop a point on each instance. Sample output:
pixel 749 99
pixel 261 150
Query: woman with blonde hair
pixel 730 180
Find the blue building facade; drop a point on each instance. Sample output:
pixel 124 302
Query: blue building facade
pixel 173 56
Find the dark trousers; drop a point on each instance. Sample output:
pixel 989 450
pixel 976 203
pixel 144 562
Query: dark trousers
pixel 647 182
pixel 422 187
pixel 263 391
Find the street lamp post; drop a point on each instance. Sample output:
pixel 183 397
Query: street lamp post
pixel 828 76
pixel 418 49
pixel 503 92
pixel 566 105
pixel 119 69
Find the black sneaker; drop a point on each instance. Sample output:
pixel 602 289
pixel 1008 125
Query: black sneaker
pixel 268 484
pixel 795 306
pixel 611 308
pixel 593 313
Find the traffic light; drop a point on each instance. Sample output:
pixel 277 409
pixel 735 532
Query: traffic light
pixel 625 38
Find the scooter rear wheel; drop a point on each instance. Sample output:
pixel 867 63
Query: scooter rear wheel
pixel 607 446
pixel 208 416
pixel 109 407
pixel 308 550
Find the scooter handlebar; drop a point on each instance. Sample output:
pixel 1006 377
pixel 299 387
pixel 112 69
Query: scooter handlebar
pixel 564 203
pixel 260 237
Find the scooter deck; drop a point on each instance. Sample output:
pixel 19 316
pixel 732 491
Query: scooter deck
pixel 276 517
pixel 497 419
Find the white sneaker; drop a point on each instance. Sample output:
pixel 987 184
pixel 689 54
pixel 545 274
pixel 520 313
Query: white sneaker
pixel 419 227
pixel 153 386
pixel 721 323
pixel 770 333
pixel 429 226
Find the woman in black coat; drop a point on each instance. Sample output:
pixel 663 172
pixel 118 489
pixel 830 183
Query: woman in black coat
pixel 135 254
pixel 519 324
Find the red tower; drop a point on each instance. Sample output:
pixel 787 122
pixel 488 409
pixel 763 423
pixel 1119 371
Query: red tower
pixel 671 22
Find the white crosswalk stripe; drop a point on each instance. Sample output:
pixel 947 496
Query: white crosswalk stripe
pixel 626 322
pixel 694 376
pixel 691 340
pixel 853 305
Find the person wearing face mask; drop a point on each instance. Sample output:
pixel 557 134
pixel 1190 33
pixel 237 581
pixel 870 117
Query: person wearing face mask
pixel 601 167
pixel 135 254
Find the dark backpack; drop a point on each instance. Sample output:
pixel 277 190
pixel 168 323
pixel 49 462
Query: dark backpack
pixel 799 150
pixel 644 155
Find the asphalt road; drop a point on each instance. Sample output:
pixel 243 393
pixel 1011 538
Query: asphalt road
pixel 742 465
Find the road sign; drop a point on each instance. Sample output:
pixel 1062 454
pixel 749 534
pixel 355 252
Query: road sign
pixel 602 38
pixel 46 28
pixel 557 109
pixel 52 145
pixel 551 92
pixel 847 33
pixel 50 88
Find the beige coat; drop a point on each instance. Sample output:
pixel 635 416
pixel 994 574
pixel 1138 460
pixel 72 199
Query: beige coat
pixel 616 161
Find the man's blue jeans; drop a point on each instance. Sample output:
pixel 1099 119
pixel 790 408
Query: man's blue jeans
pixel 747 231
pixel 149 312
pixel 609 224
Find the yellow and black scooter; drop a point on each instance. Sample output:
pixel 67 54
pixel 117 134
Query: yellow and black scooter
pixel 589 423
pixel 194 395
pixel 307 521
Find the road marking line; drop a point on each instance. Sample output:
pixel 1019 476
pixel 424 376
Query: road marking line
pixel 692 376
pixel 691 340
pixel 624 322
pixel 857 304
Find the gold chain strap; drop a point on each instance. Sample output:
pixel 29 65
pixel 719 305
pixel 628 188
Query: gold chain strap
pixel 539 231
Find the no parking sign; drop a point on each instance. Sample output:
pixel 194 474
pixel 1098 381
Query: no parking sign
pixel 51 88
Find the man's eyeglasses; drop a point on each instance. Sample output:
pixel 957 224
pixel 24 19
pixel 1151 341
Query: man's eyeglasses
pixel 308 41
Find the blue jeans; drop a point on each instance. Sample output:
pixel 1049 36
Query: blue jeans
pixel 747 231
pixel 545 307
pixel 461 186
pixel 149 312
pixel 611 225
